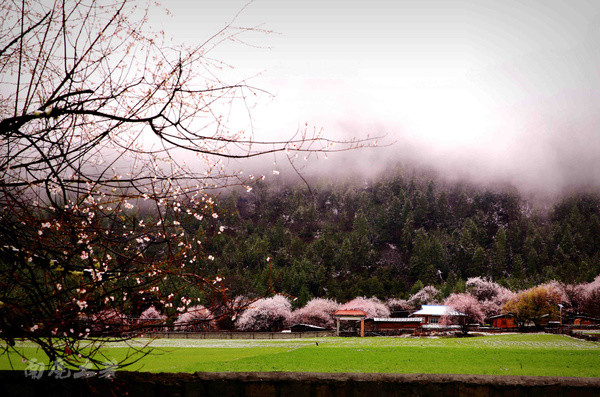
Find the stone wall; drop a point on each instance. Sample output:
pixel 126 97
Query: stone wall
pixel 295 384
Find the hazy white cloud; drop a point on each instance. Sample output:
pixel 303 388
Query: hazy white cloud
pixel 489 89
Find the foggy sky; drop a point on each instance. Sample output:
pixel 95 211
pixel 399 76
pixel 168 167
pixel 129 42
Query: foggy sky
pixel 488 90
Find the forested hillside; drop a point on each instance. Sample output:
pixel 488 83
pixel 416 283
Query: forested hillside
pixel 389 236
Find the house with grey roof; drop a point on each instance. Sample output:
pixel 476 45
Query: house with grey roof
pixel 431 314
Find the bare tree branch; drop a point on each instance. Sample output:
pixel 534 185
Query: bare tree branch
pixel 100 215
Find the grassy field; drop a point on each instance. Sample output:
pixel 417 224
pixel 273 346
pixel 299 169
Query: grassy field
pixel 517 354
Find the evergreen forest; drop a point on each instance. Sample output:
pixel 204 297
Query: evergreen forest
pixel 389 236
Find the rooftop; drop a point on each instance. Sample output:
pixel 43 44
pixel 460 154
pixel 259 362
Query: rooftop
pixel 398 319
pixel 502 315
pixel 357 313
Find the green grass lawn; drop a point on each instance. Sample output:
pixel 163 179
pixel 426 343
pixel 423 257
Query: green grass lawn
pixel 526 354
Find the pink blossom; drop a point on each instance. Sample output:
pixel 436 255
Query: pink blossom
pixel 153 319
pixel 195 319
pixel 557 289
pixel 465 309
pixel 372 306
pixel 427 295
pixel 483 289
pixel 398 305
pixel 318 311
pixel 108 320
pixel 152 314
pixel 585 298
pixel 267 314
pixel 491 295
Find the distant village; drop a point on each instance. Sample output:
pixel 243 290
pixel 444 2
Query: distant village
pixel 485 307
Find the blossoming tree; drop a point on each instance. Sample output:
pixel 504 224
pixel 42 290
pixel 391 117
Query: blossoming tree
pixel 397 305
pixel 591 303
pixel 318 311
pixel 153 320
pixel 585 297
pixel 372 306
pixel 426 295
pixel 98 209
pixel 491 295
pixel 195 319
pixel 534 304
pixel 266 314
pixel 464 310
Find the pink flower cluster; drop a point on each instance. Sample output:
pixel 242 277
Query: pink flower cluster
pixel 372 306
pixel 195 319
pixel 585 298
pixel 267 314
pixel 152 319
pixel 465 309
pixel 317 311
pixel 492 296
pixel 427 295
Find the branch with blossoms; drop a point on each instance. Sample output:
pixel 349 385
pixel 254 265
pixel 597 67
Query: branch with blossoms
pixel 88 269
pixel 100 215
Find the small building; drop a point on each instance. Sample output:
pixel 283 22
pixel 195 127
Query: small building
pixel 504 320
pixel 390 325
pixel 349 315
pixel 432 314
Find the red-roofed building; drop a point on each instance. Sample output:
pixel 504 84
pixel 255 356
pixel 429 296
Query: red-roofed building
pixel 349 315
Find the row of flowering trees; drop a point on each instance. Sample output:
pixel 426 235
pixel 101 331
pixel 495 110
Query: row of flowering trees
pixel 481 300
pixel 484 299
